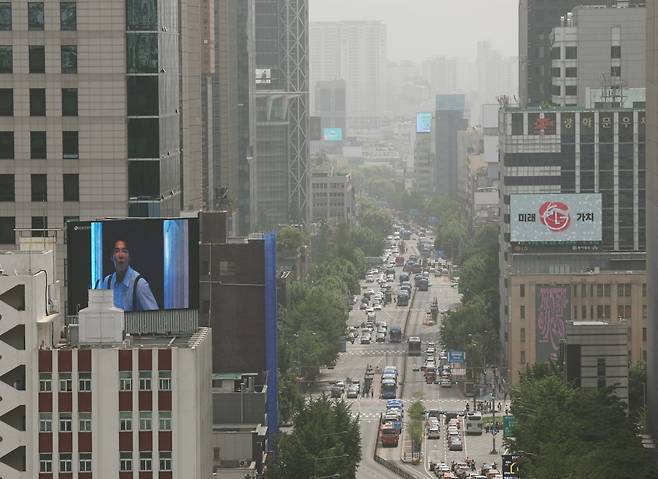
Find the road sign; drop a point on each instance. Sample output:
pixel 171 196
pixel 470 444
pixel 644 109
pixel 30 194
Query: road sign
pixel 509 424
pixel 456 356
pixel 511 466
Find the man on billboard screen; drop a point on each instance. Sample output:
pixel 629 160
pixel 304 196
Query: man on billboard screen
pixel 130 289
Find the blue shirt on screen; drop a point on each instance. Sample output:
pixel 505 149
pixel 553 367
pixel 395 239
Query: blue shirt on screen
pixel 123 292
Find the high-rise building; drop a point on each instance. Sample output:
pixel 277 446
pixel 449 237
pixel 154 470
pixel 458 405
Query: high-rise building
pixel 591 69
pixel 449 120
pixel 333 197
pixel 354 51
pixel 330 104
pixel 536 20
pixel 282 171
pixel 97 100
pixel 652 212
pixel 228 182
pixel 96 402
pixel 573 241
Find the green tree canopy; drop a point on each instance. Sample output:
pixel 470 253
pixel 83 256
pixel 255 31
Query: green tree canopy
pixel 326 440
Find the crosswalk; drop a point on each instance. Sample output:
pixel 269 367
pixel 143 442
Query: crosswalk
pixel 375 352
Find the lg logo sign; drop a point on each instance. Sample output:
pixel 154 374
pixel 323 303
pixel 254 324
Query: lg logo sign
pixel 555 215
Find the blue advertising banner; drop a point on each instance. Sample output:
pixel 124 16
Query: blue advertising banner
pixel 456 356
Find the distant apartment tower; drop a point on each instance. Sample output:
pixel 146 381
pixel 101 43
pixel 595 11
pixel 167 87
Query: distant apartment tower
pixel 98 403
pixel 93 127
pixel 652 213
pixel 354 51
pixel 598 56
pixel 331 104
pixel 231 133
pixel 424 158
pixel 450 119
pixel 282 172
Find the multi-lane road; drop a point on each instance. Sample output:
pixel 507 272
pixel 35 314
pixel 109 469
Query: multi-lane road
pixel 353 363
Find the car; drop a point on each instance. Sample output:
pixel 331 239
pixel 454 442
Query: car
pixel 383 325
pixel 370 309
pixel 445 383
pixel 336 392
pixel 370 279
pixel 353 391
pixel 366 338
pixel 433 432
pixel 377 307
pixel 456 446
pixel 363 306
pixel 380 338
pixel 331 364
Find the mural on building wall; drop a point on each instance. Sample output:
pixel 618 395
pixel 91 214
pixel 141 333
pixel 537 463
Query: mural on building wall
pixel 553 311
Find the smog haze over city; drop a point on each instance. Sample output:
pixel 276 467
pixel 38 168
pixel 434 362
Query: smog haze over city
pixel 423 28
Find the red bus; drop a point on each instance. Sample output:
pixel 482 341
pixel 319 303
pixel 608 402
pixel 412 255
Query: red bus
pixel 390 435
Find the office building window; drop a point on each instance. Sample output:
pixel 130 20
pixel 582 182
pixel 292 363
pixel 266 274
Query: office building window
pixel 37 58
pixel 556 72
pixel 84 379
pixel 571 90
pixel 70 149
pixel 145 461
pixel 141 15
pixel 522 357
pixel 65 382
pixel 5 16
pixel 35 16
pixel 165 420
pixel 69 102
pixel 607 290
pixel 67 16
pixel 615 71
pixel 7 188
pixel 71 187
pixel 145 380
pixel 45 382
pixel 69 58
pixel 165 460
pixel 7 233
pixel 6 102
pixel 125 461
pixel 555 53
pixel 39 223
pixel 644 311
pixel 45 463
pixel 583 312
pixel 571 53
pixel 644 355
pixel 65 463
pixel 38 145
pixel 65 422
pixel 556 90
pixel 644 290
pixel 37 102
pixel 125 381
pixel 39 184
pixel 164 380
pixel 142 52
pixel 522 290
pixel 125 421
pixel 85 421
pixel 45 422
pixel 523 335
pixel 644 334
pixel 522 311
pixel 615 51
pixel 85 462
pixel 6 145
pixel 143 98
pixel 145 418
pixel 571 72
pixel 6 59
pixel 143 138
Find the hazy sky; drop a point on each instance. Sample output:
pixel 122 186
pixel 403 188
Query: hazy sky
pixel 421 28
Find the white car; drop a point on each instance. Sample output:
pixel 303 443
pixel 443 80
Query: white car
pixel 377 306
pixel 446 383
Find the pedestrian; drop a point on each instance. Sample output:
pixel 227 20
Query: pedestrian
pixel 500 406
pixel 372 392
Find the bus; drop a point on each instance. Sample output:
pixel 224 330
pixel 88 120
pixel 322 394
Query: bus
pixel 414 346
pixel 389 389
pixel 390 435
pixel 395 334
pixel 403 299
pixel 473 422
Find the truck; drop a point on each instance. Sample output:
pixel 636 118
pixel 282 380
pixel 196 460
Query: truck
pixel 395 334
pixel 414 346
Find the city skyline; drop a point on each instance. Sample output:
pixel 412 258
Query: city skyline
pixel 496 22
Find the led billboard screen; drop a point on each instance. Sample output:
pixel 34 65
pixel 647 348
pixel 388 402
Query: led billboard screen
pixel 553 305
pixel 332 134
pixel 149 264
pixel 424 122
pixel 555 218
